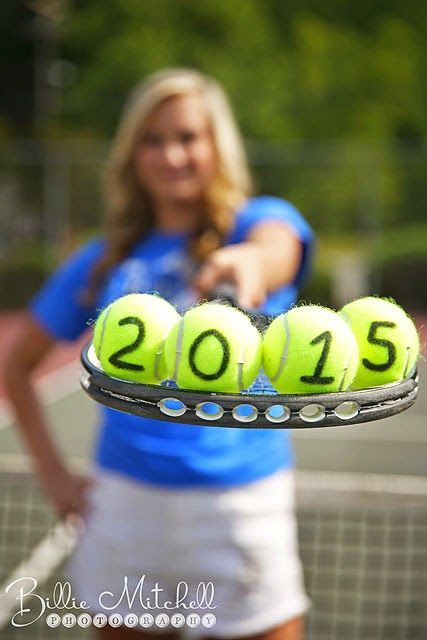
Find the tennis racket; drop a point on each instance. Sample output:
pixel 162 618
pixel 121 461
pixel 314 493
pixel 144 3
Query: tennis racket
pixel 260 407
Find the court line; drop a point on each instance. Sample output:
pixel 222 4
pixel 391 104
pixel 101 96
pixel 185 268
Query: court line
pixel 365 436
pixel 359 481
pixel 50 552
pixel 57 545
pixel 21 463
pixel 45 558
pixel 52 387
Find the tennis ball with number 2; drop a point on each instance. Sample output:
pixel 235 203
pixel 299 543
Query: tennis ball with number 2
pixel 213 348
pixel 387 338
pixel 129 337
pixel 310 349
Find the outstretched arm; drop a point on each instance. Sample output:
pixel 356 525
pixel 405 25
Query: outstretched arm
pixel 268 259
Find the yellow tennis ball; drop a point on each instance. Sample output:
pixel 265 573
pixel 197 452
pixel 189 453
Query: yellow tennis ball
pixel 310 349
pixel 213 348
pixel 129 337
pixel 387 338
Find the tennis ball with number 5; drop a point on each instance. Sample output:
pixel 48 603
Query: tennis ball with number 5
pixel 387 338
pixel 129 337
pixel 310 349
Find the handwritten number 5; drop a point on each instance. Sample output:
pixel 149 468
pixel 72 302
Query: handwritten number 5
pixel 387 344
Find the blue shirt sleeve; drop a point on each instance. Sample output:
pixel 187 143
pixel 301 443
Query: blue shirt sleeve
pixel 59 305
pixel 268 208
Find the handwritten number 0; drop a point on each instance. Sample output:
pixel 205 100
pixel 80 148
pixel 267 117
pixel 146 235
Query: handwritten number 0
pixel 225 360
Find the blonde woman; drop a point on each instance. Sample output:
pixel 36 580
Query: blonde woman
pixel 172 507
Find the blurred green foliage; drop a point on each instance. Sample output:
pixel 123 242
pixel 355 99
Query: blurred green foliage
pixel 402 266
pixel 293 70
pixel 346 83
pixel 331 98
pixel 21 275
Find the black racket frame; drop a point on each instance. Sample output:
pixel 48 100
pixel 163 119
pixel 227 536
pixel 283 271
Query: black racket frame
pixel 299 411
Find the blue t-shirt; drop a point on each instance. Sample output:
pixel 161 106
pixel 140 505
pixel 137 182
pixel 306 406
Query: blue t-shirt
pixel 154 451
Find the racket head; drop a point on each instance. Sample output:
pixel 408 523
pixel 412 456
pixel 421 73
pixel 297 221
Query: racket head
pixel 260 407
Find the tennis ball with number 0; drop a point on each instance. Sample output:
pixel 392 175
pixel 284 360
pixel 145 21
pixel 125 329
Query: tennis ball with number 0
pixel 310 349
pixel 129 337
pixel 387 338
pixel 213 348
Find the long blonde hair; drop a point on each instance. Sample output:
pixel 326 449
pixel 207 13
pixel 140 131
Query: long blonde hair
pixel 129 217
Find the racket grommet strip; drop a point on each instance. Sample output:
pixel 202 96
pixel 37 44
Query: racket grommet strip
pixel 209 411
pixel 172 407
pixel 258 407
pixel 277 413
pixel 347 410
pixel 245 413
pixel 312 413
pixel 85 378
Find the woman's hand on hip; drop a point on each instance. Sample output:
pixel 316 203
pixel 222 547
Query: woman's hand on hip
pixel 67 492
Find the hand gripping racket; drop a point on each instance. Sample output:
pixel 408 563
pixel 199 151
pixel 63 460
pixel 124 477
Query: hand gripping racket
pixel 260 407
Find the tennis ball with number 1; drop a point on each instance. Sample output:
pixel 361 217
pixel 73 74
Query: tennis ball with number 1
pixel 310 349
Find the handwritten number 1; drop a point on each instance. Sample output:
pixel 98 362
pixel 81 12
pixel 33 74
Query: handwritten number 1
pixel 317 377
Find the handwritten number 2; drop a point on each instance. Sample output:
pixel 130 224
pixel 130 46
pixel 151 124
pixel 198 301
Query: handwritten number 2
pixel 116 357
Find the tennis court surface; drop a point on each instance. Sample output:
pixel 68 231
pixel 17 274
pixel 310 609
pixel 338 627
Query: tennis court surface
pixel 362 511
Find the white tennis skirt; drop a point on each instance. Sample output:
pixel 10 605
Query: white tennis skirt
pixel 223 561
